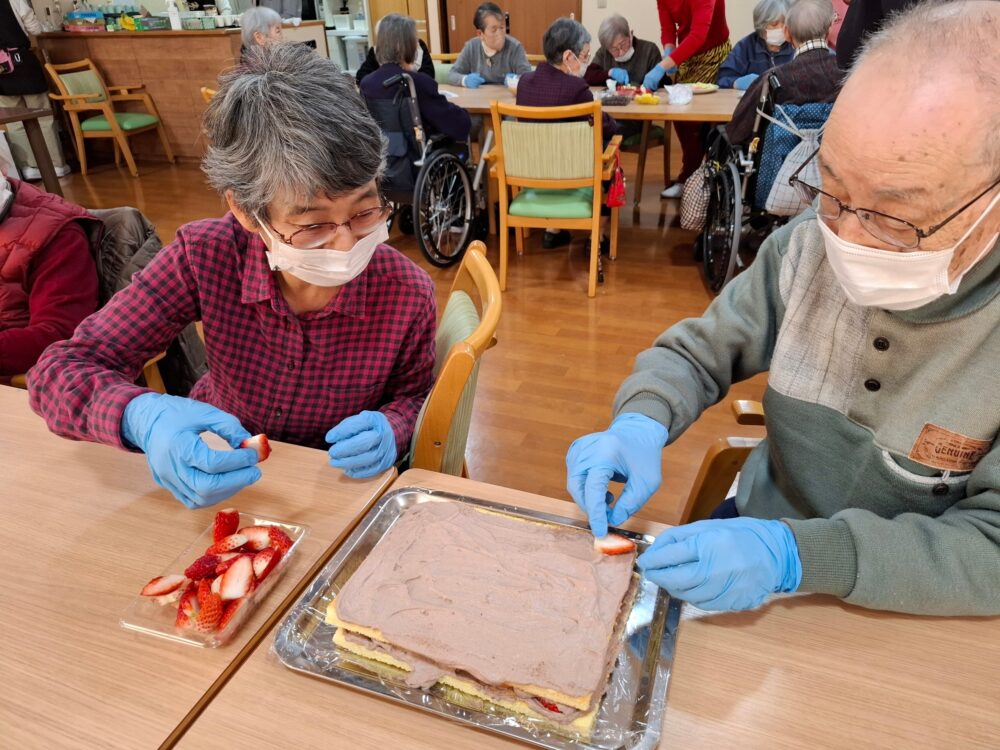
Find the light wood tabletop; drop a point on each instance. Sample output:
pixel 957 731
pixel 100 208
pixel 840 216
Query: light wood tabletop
pixel 715 107
pixel 85 528
pixel 804 671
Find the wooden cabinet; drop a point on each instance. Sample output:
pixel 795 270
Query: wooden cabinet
pixel 527 20
pixel 416 9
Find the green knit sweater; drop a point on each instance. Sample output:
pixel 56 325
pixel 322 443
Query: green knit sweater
pixel 881 452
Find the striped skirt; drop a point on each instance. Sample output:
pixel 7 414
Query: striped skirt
pixel 703 67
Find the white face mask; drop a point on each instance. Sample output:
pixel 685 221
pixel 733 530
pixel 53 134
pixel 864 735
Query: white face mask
pixel 419 58
pixel 896 280
pixel 324 266
pixel 581 71
pixel 775 37
pixel 627 56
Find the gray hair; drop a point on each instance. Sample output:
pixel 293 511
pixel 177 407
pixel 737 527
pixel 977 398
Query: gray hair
pixel 564 34
pixel 397 40
pixel 257 19
pixel 487 10
pixel 809 19
pixel 965 35
pixel 768 11
pixel 615 26
pixel 288 124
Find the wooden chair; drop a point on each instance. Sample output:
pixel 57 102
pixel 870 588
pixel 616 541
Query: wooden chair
pixel 207 94
pixel 651 136
pixel 82 89
pixel 722 462
pixel 554 169
pixel 451 57
pixel 467 329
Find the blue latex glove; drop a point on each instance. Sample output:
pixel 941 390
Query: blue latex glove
pixel 628 451
pixel 654 77
pixel 363 445
pixel 743 82
pixel 167 429
pixel 620 75
pixel 729 564
pixel 473 81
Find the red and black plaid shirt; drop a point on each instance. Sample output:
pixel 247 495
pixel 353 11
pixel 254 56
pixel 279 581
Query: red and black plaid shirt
pixel 290 376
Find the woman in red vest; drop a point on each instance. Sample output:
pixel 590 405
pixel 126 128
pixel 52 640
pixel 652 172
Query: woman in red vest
pixel 695 40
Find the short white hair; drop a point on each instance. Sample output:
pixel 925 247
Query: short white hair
pixel 768 11
pixel 809 19
pixel 257 19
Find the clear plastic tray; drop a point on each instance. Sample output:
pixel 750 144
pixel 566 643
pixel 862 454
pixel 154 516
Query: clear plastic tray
pixel 157 615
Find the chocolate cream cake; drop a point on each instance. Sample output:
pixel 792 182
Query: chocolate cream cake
pixel 522 614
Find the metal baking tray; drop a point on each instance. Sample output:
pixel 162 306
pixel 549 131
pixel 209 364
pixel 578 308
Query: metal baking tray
pixel 631 711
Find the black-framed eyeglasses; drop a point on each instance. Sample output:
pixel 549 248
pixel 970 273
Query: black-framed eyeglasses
pixel 317 235
pixel 889 229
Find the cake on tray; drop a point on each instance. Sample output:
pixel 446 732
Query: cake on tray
pixel 522 614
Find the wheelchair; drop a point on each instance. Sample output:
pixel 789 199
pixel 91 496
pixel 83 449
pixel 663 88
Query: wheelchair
pixel 430 181
pixel 738 179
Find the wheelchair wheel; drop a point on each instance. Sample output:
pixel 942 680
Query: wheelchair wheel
pixel 443 208
pixel 723 225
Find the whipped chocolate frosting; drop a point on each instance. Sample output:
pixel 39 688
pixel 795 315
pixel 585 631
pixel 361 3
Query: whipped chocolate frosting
pixel 506 601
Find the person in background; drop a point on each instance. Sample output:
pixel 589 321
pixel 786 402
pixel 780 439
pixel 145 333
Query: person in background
pixel 864 17
pixel 765 48
pixel 492 55
pixel 25 86
pixel 695 41
pixel 259 27
pixel 48 278
pixel 316 331
pixel 422 63
pixel 397 52
pixel 811 77
pixel 622 57
pixel 839 13
pixel 284 8
pixel 558 82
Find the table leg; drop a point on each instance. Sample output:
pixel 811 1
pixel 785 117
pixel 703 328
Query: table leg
pixel 641 171
pixel 34 132
pixel 667 127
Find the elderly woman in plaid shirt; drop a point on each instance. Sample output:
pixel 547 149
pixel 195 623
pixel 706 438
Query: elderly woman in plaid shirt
pixel 316 332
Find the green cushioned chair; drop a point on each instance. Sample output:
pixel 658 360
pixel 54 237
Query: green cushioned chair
pixel 441 71
pixel 467 329
pixel 82 90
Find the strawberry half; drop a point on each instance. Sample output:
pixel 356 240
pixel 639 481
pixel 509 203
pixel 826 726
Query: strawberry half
pixel 258 537
pixel 229 611
pixel 548 705
pixel 279 539
pixel 228 544
pixel 259 443
pixel 163 585
pixel 225 560
pixel 238 580
pixel 217 585
pixel 204 591
pixel 210 614
pixel 203 567
pixel 188 607
pixel 226 522
pixel 614 544
pixel 264 562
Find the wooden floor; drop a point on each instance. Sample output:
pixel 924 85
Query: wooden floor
pixel 560 357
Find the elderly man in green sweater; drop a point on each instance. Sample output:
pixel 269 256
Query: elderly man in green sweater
pixel 878 318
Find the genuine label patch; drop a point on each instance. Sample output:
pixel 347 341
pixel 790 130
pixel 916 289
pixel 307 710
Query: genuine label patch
pixel 946 450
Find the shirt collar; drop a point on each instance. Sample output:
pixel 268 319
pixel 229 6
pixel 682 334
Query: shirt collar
pixel 811 45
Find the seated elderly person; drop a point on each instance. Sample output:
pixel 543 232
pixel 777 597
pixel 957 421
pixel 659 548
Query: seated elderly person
pixel 316 332
pixel 48 278
pixel 259 27
pixel 422 62
pixel 558 82
pixel 811 76
pixel 397 50
pixel 622 57
pixel 762 50
pixel 491 55
pixel 877 319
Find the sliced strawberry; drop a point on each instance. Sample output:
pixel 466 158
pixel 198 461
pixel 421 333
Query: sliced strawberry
pixel 614 544
pixel 225 560
pixel 210 614
pixel 264 562
pixel 204 591
pixel 548 705
pixel 228 544
pixel 238 580
pixel 279 539
pixel 258 537
pixel 203 567
pixel 226 522
pixel 163 585
pixel 188 607
pixel 260 444
pixel 217 585
pixel 229 611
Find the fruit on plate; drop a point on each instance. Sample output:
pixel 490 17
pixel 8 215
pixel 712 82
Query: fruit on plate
pixel 264 562
pixel 238 580
pixel 226 522
pixel 203 567
pixel 260 444
pixel 703 88
pixel 613 544
pixel 258 537
pixel 163 585
pixel 647 99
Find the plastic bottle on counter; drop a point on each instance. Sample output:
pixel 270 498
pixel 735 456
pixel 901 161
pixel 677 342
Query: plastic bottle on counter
pixel 174 15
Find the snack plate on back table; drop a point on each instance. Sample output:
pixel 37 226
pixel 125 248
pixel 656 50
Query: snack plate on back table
pixel 631 710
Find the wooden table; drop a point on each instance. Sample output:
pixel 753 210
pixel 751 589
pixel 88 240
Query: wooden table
pixel 804 672
pixel 84 528
pixel 715 107
pixel 29 118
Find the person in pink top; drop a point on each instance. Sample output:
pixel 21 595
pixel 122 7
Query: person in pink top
pixel 839 11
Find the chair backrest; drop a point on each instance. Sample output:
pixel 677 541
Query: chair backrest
pixel 441 71
pixel 467 329
pixel 395 120
pixel 79 78
pixel 557 147
pixel 207 94
pixel 722 462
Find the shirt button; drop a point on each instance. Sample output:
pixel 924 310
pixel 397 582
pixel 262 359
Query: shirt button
pixel 291 364
pixel 872 384
pixel 940 489
pixel 881 343
pixel 278 412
